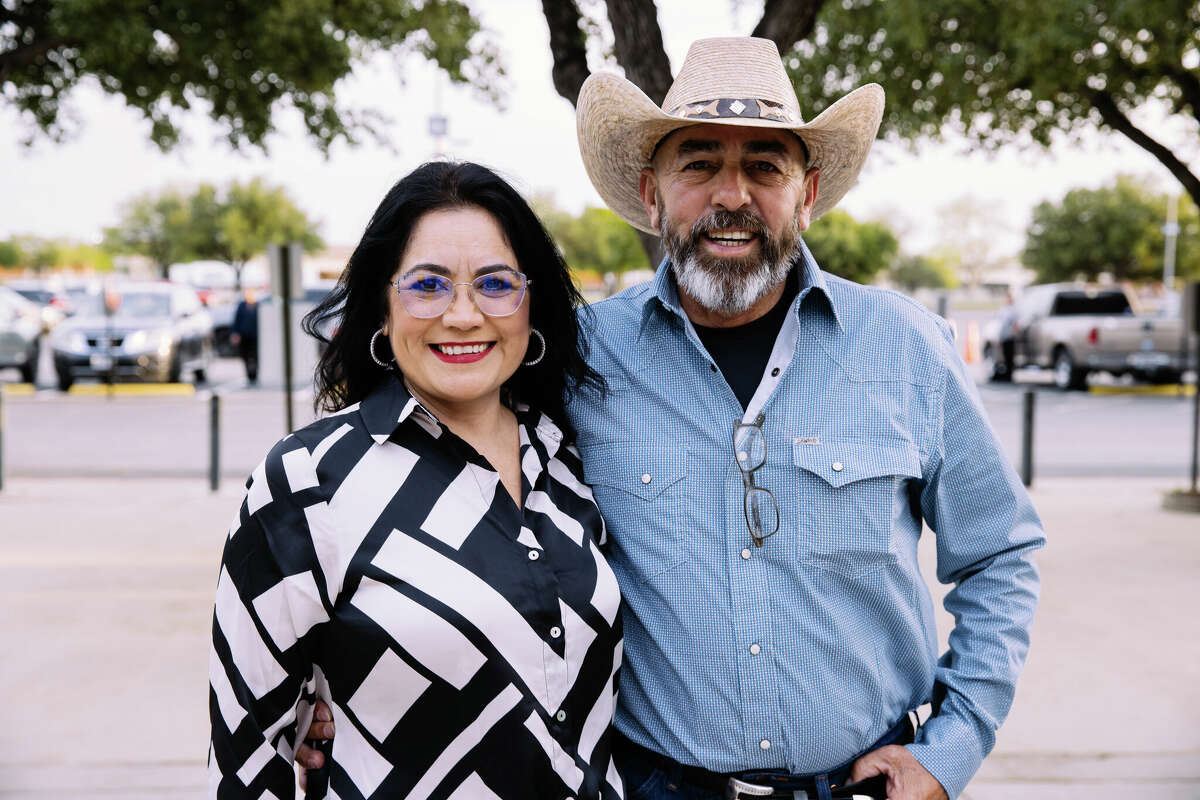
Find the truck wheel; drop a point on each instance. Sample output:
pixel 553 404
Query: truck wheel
pixel 1165 376
pixel 1066 375
pixel 65 379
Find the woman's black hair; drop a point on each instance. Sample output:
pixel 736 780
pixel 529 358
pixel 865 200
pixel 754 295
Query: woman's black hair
pixel 345 373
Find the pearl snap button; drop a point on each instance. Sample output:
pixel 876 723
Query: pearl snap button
pixel 646 478
pixel 765 744
pixel 555 632
pixel 561 716
pixel 534 555
pixel 837 466
pixel 746 553
pixel 755 649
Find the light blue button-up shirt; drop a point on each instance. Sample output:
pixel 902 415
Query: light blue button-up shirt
pixel 800 654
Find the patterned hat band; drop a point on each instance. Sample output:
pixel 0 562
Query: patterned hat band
pixel 737 108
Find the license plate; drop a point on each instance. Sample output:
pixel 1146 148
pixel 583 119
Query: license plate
pixel 100 361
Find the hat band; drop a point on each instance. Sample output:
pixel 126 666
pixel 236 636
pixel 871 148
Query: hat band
pixel 737 108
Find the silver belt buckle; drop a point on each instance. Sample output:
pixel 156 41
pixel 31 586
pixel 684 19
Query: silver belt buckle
pixel 736 790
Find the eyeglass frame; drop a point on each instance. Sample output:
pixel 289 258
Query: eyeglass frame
pixel 748 479
pixel 470 293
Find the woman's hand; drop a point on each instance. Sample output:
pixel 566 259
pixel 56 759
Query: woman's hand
pixel 320 728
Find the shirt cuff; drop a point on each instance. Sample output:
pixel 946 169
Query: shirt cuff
pixel 950 748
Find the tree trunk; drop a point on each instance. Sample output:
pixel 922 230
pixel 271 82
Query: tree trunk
pixel 638 44
pixel 786 22
pixel 568 46
pixel 1112 115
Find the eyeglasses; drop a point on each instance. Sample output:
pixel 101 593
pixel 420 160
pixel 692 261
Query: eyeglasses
pixel 750 453
pixel 426 294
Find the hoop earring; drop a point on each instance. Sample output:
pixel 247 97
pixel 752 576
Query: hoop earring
pixel 371 349
pixel 542 354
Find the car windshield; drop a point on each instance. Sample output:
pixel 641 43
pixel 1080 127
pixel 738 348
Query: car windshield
pixel 1079 303
pixel 43 296
pixel 130 304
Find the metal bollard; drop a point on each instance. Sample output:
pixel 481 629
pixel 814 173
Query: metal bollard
pixel 1027 440
pixel 214 441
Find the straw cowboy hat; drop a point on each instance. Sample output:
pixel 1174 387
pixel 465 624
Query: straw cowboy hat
pixel 731 81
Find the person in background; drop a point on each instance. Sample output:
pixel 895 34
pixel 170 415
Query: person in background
pixel 243 333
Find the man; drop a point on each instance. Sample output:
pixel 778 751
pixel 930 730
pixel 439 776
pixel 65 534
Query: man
pixel 243 333
pixel 771 442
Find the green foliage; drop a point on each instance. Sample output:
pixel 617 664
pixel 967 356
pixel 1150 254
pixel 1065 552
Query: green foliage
pixel 597 240
pixel 39 254
pixel 156 225
pixel 849 249
pixel 231 226
pixel 997 69
pixel 241 59
pixel 11 254
pixel 254 215
pixel 1115 229
pixel 923 272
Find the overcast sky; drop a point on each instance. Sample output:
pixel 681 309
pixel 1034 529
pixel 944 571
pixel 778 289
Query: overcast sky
pixel 75 189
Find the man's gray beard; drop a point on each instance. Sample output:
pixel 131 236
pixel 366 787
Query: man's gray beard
pixel 728 286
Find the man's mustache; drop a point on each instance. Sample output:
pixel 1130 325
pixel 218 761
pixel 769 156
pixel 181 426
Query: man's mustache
pixel 722 219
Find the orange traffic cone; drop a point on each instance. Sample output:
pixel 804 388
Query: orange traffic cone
pixel 972 345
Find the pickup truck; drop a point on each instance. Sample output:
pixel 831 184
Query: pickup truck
pixel 1075 328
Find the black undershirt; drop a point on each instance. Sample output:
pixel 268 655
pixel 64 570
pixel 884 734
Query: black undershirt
pixel 742 352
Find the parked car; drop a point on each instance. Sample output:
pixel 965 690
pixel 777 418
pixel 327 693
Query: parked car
pixel 53 304
pixel 20 332
pixel 151 331
pixel 1075 329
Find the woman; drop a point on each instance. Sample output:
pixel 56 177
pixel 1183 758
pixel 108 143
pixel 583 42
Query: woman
pixel 425 558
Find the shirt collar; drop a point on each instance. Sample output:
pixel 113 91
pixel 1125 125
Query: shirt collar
pixel 665 293
pixel 387 406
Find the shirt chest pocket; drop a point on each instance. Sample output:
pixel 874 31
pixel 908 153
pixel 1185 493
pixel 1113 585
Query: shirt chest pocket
pixel 642 495
pixel 850 493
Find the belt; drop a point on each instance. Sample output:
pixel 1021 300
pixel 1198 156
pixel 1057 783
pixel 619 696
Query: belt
pixel 768 783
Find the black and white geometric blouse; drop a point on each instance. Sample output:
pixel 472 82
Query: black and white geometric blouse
pixel 468 648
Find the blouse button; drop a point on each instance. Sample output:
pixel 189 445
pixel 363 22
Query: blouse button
pixel 746 553
pixel 765 744
pixel 837 466
pixel 775 372
pixel 534 555
pixel 646 477
pixel 755 649
pixel 561 716
pixel 555 632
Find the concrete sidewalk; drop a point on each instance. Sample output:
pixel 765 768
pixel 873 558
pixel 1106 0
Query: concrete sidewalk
pixel 107 588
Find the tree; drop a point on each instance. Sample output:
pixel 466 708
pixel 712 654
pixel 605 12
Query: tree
pixel 252 216
pixel 1115 230
pixel 241 59
pixel 849 249
pixel 11 254
pixel 922 272
pixel 231 226
pixel 597 240
pixel 1002 71
pixel 156 225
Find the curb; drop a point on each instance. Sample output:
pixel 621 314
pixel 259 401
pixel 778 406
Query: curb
pixel 133 389
pixel 1171 390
